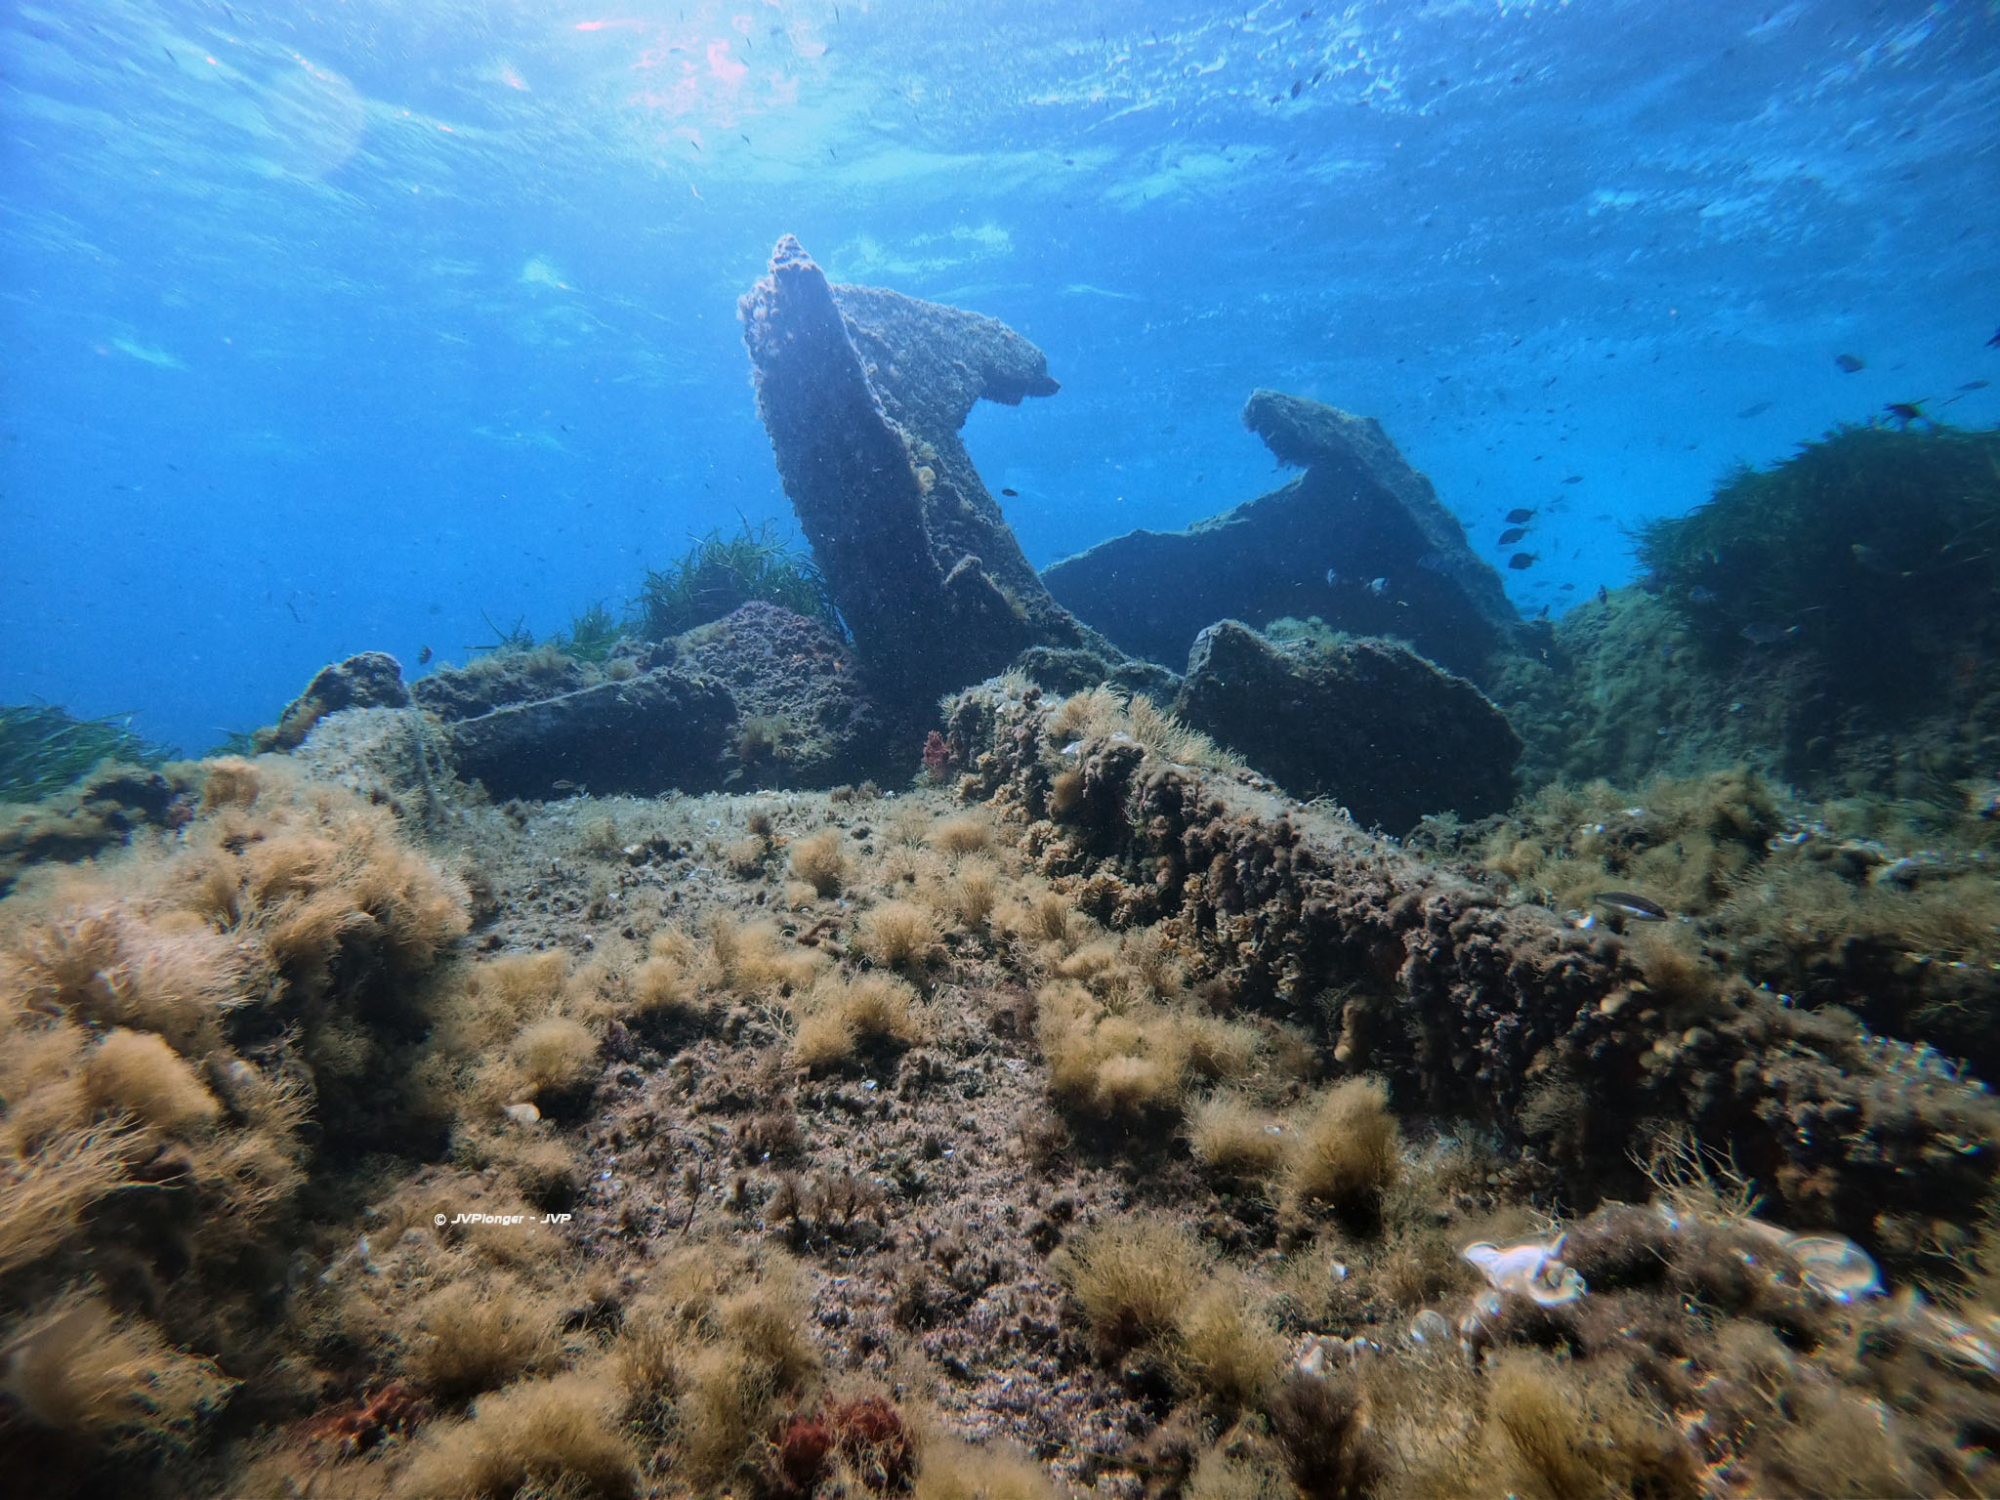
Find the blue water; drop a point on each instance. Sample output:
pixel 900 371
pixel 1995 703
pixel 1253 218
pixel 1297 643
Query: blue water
pixel 338 326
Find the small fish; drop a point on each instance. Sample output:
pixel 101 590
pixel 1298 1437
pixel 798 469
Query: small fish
pixel 1516 517
pixel 1378 586
pixel 1522 560
pixel 1603 594
pixel 1640 908
pixel 1572 479
pixel 1760 633
pixel 1906 412
pixel 1298 84
pixel 1994 342
pixel 1511 535
pixel 424 657
pixel 1011 494
pixel 1700 595
pixel 1756 408
pixel 1849 363
pixel 1975 385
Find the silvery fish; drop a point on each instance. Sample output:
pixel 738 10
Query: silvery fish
pixel 1641 908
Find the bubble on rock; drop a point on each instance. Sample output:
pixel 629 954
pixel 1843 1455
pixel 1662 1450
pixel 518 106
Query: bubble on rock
pixel 1337 1271
pixel 523 1113
pixel 1838 1269
pixel 1532 1268
pixel 1428 1329
pixel 1953 1339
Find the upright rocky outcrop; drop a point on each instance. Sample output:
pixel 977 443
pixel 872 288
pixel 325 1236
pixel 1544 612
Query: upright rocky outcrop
pixel 863 392
pixel 1359 539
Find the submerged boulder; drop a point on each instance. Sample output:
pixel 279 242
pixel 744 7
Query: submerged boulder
pixel 371 679
pixel 863 392
pixel 804 716
pixel 1369 723
pixel 1359 539
pixel 651 733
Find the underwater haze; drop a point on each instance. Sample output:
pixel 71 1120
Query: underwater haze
pixel 388 325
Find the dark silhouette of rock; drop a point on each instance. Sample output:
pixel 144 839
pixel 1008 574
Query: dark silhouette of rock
pixel 1369 723
pixel 1360 540
pixel 373 679
pixel 863 392
pixel 648 734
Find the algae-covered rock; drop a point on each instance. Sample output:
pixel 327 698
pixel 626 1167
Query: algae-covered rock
pixel 371 679
pixel 1871 549
pixel 97 813
pixel 1369 723
pixel 499 678
pixel 1572 1040
pixel 661 730
pixel 1360 540
pixel 804 717
pixel 863 392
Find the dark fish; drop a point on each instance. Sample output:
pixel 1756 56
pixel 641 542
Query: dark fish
pixel 1994 342
pixel 1603 594
pixel 1756 408
pixel 1010 494
pixel 1849 363
pixel 1759 633
pixel 1906 412
pixel 1511 535
pixel 1515 517
pixel 1975 385
pixel 1522 560
pixel 1572 479
pixel 1297 85
pixel 1639 907
pixel 424 657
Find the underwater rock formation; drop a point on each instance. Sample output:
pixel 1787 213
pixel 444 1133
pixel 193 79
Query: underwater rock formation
pixel 1826 621
pixel 1369 723
pixel 497 679
pixel 1360 540
pixel 372 679
pixel 863 392
pixel 803 717
pixel 1579 1040
pixel 762 697
pixel 99 812
pixel 647 734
